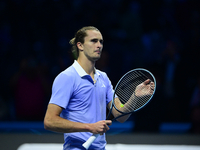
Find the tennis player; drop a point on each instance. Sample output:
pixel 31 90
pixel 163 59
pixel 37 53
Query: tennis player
pixel 80 95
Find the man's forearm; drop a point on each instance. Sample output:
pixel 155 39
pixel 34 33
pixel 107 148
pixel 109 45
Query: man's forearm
pixel 58 124
pixel 117 113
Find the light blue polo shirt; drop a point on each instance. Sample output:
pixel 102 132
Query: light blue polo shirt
pixel 83 101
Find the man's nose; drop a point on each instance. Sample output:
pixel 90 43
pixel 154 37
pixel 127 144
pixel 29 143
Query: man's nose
pixel 100 45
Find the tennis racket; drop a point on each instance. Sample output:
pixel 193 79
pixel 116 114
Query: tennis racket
pixel 132 92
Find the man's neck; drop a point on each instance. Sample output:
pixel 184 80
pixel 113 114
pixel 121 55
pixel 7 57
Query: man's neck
pixel 87 65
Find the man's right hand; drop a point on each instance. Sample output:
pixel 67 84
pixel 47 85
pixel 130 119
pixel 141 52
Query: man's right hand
pixel 100 127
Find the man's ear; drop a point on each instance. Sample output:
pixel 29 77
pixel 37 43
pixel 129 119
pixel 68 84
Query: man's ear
pixel 80 46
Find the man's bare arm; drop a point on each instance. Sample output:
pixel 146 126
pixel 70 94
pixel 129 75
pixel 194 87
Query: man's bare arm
pixel 117 113
pixel 54 122
pixel 143 89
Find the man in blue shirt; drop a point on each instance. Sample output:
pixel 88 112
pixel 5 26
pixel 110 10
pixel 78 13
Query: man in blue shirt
pixel 80 95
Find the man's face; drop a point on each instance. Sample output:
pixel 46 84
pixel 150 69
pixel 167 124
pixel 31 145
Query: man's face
pixel 93 45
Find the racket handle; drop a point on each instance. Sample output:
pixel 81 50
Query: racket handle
pixel 87 144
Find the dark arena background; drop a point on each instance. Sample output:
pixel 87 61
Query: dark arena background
pixel 162 36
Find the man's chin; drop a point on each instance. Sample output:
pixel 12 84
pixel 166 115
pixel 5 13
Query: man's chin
pixel 96 58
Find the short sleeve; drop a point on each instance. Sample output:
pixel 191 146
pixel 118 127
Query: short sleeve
pixel 62 90
pixel 110 91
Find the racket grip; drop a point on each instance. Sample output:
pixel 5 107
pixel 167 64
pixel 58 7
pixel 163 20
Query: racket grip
pixel 87 144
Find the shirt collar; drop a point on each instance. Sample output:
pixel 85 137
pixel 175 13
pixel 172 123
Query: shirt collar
pixel 80 70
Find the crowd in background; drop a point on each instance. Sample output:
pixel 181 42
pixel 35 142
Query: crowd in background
pixel 162 36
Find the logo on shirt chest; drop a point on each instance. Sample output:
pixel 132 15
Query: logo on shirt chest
pixel 103 85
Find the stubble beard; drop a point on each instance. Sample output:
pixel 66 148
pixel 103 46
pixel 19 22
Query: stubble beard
pixel 93 59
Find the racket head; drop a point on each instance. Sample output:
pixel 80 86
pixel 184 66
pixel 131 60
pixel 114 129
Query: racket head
pixel 126 88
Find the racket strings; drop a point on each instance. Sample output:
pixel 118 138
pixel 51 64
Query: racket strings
pixel 137 102
pixel 128 81
pixel 126 91
pixel 127 84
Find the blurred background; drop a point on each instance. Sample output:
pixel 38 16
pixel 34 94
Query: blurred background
pixel 162 36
